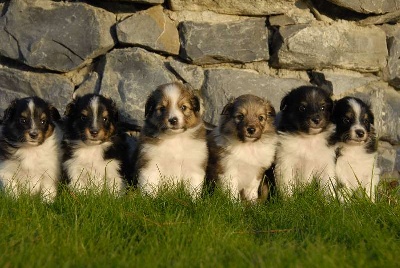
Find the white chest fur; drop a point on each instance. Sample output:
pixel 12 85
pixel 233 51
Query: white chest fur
pixel 87 169
pixel 301 158
pixel 243 165
pixel 356 168
pixel 35 169
pixel 176 158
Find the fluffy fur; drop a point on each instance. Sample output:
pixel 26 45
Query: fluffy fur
pixel 97 156
pixel 356 146
pixel 172 144
pixel 30 140
pixel 305 130
pixel 242 147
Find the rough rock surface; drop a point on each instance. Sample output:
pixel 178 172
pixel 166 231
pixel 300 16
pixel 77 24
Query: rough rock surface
pixel 208 43
pixel 237 7
pixel 150 28
pixel 19 84
pixel 369 6
pixel 129 75
pixel 343 45
pixel 54 35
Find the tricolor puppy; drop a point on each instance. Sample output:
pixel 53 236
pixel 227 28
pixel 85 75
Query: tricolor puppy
pixel 96 155
pixel 243 146
pixel 356 146
pixel 30 146
pixel 305 129
pixel 172 144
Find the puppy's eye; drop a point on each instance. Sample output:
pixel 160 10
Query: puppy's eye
pixel 240 117
pixel 43 122
pixel 83 117
pixel 23 120
pixel 302 108
pixel 105 119
pixel 162 109
pixel 183 107
pixel 322 108
pixel 261 118
pixel 346 120
pixel 366 121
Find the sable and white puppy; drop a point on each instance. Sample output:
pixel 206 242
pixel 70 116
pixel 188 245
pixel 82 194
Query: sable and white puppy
pixel 243 146
pixel 172 144
pixel 356 165
pixel 30 146
pixel 97 156
pixel 305 129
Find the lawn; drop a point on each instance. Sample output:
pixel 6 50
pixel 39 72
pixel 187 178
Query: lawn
pixel 173 231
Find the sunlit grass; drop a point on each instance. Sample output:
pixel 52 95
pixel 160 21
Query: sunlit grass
pixel 101 230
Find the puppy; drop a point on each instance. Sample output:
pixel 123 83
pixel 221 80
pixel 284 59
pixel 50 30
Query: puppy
pixel 30 141
pixel 97 157
pixel 356 146
pixel 172 144
pixel 305 151
pixel 242 147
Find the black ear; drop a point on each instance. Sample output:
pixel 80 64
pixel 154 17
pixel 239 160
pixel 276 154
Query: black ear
pixel 69 109
pixel 371 116
pixel 272 112
pixel 228 108
pixel 55 115
pixel 9 112
pixel 115 110
pixel 284 103
pixel 195 102
pixel 150 106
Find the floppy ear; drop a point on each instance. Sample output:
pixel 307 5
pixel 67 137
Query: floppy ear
pixel 114 109
pixel 268 106
pixel 371 116
pixel 195 102
pixel 284 102
pixel 9 112
pixel 55 115
pixel 149 106
pixel 69 109
pixel 228 107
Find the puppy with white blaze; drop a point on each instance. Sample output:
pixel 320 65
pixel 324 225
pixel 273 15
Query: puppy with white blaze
pixel 356 165
pixel 305 151
pixel 243 146
pixel 96 155
pixel 30 146
pixel 172 144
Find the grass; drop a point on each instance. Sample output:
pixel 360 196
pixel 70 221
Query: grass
pixel 173 231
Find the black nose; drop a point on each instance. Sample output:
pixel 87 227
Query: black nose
pixel 360 133
pixel 251 130
pixel 173 121
pixel 316 120
pixel 93 132
pixel 33 134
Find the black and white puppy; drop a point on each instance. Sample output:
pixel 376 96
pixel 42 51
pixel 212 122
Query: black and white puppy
pixel 172 144
pixel 356 165
pixel 243 146
pixel 305 129
pixel 30 148
pixel 97 157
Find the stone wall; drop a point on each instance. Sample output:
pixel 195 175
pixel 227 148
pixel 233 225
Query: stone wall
pixel 124 49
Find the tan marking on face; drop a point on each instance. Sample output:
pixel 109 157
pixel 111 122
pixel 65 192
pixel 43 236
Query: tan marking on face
pixel 85 112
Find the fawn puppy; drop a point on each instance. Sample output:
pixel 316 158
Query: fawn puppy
pixel 243 146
